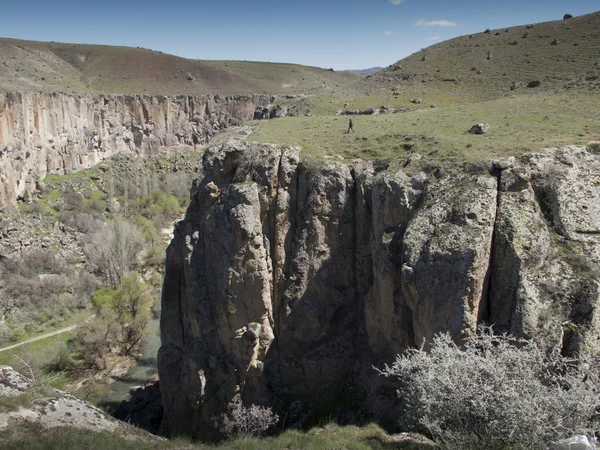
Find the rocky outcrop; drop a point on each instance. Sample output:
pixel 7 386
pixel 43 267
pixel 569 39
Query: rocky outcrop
pixel 545 270
pixel 59 133
pixel 288 280
pixel 49 409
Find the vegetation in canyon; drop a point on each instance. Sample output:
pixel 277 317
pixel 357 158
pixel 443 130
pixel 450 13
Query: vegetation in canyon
pixel 99 278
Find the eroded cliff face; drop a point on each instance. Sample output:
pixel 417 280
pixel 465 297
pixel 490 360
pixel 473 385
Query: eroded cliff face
pixel 287 281
pixel 59 133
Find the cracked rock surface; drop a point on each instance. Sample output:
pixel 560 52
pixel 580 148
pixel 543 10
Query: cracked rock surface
pixel 287 281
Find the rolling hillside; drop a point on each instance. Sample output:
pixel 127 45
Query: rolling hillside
pixel 79 68
pixel 487 64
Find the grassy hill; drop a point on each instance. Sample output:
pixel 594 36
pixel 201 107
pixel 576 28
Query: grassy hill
pixel 80 68
pixel 555 53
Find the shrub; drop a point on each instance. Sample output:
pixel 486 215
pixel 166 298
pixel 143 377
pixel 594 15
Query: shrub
pixel 156 256
pixel 160 206
pixel 82 222
pixel 33 208
pixel 148 229
pixel 74 201
pixel 245 421
pixel 495 392
pixel 58 359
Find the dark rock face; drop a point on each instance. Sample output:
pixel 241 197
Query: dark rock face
pixel 286 282
pixel 144 410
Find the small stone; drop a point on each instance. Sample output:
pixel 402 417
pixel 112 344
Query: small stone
pixel 503 164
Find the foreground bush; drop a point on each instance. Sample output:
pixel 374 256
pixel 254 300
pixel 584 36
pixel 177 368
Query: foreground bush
pixel 246 421
pixel 495 392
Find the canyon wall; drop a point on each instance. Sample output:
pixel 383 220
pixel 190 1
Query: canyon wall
pixel 287 281
pixel 59 133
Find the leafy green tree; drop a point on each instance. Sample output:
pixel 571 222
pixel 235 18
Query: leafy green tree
pixel 121 318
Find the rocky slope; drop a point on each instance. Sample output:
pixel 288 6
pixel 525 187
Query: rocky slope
pixel 49 409
pixel 287 281
pixel 57 133
pixel 495 63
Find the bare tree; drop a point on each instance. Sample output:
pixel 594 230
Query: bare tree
pixel 114 249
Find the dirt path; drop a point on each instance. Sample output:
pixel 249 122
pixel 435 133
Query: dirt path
pixel 38 338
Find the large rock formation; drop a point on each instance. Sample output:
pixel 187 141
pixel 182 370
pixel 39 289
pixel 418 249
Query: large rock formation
pixel 288 280
pixel 59 133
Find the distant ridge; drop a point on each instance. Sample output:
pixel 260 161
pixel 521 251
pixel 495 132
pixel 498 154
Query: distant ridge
pixel 81 68
pixel 494 63
pixel 370 71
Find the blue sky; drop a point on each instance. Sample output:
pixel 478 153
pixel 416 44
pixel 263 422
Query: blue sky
pixel 350 34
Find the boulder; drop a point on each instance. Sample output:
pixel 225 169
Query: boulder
pixel 503 164
pixel 278 111
pixel 479 128
pixel 576 442
pixel 262 113
pixel 533 83
pixel 57 409
pixel 12 383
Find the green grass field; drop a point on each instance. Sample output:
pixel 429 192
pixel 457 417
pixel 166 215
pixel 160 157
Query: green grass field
pixel 39 353
pixel 517 125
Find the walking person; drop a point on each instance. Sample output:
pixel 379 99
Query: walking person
pixel 350 127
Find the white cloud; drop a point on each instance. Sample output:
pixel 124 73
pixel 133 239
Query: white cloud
pixel 433 38
pixel 396 2
pixel 388 33
pixel 435 23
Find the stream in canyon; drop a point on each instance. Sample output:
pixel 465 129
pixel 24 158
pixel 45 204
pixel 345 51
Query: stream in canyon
pixel 144 368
